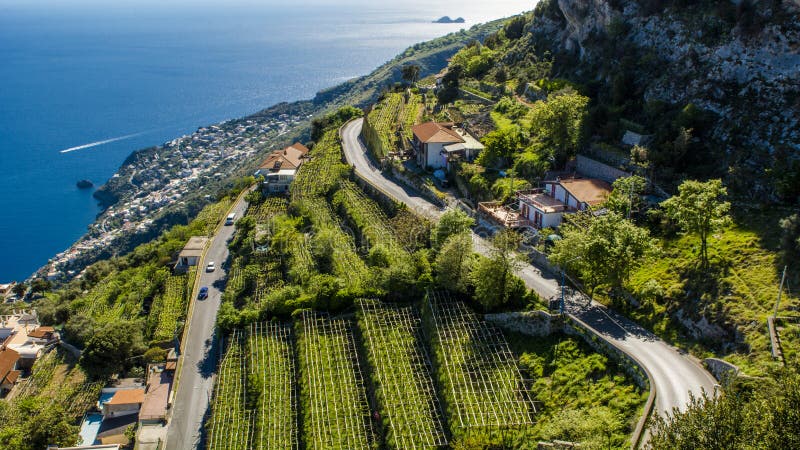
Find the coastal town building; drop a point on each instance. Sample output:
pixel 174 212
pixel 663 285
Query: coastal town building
pixel 9 371
pixel 124 402
pixel 280 167
pixel 191 253
pixel 545 207
pixel 437 145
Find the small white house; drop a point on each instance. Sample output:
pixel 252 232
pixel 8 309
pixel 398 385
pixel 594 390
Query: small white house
pixel 544 208
pixel 438 144
pixel 190 255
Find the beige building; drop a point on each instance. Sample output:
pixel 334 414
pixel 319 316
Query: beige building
pixel 124 402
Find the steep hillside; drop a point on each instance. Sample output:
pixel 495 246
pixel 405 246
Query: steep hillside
pixel 738 64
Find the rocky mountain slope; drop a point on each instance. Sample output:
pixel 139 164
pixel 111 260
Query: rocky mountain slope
pixel 738 62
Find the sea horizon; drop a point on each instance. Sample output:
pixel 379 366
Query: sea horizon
pixel 130 80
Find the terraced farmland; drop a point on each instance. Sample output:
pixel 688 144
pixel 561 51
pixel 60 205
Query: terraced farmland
pixel 401 371
pixel 482 385
pixel 230 426
pixel 336 414
pixel 272 363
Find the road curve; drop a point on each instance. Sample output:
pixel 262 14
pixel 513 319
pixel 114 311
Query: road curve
pixel 201 352
pixel 673 373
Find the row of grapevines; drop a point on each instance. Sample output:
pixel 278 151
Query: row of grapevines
pixel 322 172
pixel 173 307
pixel 336 414
pixel 401 371
pixel 271 362
pixel 230 425
pixel 482 385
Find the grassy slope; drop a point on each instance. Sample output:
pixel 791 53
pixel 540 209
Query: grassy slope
pixel 738 293
pixel 581 395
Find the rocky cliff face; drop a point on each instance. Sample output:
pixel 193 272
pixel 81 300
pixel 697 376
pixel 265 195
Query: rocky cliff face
pixel 741 62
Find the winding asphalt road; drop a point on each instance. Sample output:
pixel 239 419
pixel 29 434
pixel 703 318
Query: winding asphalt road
pixel 673 373
pixel 201 352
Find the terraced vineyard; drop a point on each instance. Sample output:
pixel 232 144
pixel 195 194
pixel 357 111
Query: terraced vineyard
pixel 172 307
pixel 366 215
pixel 265 210
pixel 401 368
pixel 409 115
pixel 483 387
pixel 322 172
pixel 336 414
pixel 271 361
pixel 337 247
pixel 389 115
pixel 230 426
pixel 383 121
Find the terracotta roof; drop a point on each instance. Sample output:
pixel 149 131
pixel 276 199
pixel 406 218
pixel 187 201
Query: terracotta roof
pixel 41 332
pixel 127 397
pixel 11 378
pixel 290 157
pixel 300 147
pixel 588 190
pixel 432 132
pixel 8 359
pixel 171 365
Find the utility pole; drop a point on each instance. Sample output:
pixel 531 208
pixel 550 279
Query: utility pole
pixel 780 290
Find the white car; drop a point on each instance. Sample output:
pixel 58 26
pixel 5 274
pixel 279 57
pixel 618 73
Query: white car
pixel 210 267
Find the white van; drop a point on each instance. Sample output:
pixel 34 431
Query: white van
pixel 230 218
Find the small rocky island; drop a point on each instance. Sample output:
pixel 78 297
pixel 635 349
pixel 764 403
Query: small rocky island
pixel 447 19
pixel 84 184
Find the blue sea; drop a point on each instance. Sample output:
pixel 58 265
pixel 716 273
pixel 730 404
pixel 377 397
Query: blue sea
pixel 83 72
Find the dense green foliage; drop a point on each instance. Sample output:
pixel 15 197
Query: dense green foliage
pixel 582 395
pixel 754 414
pixel 47 406
pixel 603 250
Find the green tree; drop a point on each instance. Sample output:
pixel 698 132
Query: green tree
pixel 41 285
pixel 109 351
pixel 764 416
pixel 699 208
pixel 19 289
pixel 493 277
pixel 515 27
pixel 453 221
pixel 453 263
pixel 450 84
pixel 531 164
pixel 626 196
pixel 51 426
pixel 410 73
pixel 606 250
pixel 559 122
pixel 500 145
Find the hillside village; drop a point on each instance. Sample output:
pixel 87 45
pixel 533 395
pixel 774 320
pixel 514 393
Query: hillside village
pixel 160 177
pixel 502 253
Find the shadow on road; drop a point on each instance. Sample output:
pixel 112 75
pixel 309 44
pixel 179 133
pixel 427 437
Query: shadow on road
pixel 207 366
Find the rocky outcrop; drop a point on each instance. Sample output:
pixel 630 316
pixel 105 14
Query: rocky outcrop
pixel 584 17
pixel 742 65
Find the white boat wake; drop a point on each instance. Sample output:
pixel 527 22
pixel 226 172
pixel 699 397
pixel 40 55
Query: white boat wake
pixel 106 141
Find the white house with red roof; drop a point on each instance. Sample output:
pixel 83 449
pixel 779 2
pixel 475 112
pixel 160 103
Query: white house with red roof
pixel 280 167
pixel 438 144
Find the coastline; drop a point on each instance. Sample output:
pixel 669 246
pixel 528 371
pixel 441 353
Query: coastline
pixel 143 198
